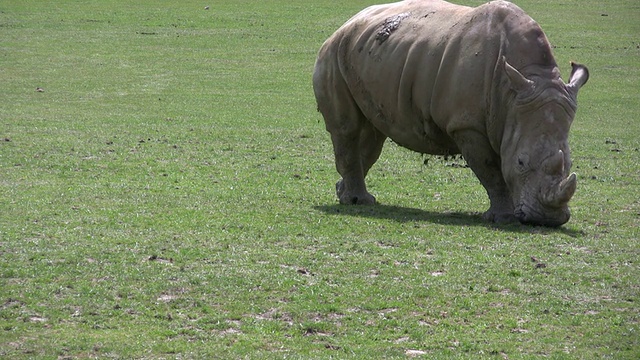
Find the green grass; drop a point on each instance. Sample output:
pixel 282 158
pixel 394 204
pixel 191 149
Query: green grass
pixel 170 195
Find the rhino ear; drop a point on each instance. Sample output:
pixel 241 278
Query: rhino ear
pixel 579 77
pixel 517 81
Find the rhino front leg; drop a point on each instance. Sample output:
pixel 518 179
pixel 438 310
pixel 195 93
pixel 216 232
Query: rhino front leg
pixel 486 165
pixel 501 210
pixel 355 153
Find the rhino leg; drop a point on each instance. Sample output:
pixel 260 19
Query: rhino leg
pixel 487 167
pixel 356 142
pixel 355 153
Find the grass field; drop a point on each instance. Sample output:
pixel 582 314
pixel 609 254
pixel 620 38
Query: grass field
pixel 168 192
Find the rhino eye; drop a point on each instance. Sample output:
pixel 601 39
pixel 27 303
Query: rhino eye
pixel 523 162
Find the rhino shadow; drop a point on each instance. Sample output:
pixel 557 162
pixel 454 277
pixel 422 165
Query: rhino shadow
pixel 406 214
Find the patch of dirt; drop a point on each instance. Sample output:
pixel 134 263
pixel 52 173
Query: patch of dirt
pixel 415 353
pixel 299 270
pixel 390 25
pixel 332 347
pixel 235 323
pixel 37 319
pixel 230 331
pixel 401 340
pixel 166 298
pixel 275 314
pixel 309 331
pixel 172 294
pixel 539 264
pixel 11 304
pixel 160 260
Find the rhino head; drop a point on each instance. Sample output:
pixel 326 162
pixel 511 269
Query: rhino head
pixel 535 153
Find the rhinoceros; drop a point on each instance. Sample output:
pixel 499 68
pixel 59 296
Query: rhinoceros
pixel 444 79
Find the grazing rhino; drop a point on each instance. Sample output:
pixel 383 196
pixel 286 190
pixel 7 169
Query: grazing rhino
pixel 443 79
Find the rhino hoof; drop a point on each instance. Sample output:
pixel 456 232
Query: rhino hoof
pixel 353 197
pixel 505 218
pixel 365 199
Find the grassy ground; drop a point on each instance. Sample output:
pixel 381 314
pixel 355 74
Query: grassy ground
pixel 169 194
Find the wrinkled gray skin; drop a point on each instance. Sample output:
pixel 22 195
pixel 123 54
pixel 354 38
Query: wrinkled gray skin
pixel 443 79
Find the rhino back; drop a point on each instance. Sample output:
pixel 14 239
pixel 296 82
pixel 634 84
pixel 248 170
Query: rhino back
pixel 422 70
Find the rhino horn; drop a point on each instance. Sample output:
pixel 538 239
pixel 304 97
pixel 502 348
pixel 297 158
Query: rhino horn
pixel 567 188
pixel 563 193
pixel 555 164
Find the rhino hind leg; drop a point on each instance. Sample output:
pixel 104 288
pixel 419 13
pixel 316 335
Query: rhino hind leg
pixel 355 154
pixel 357 144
